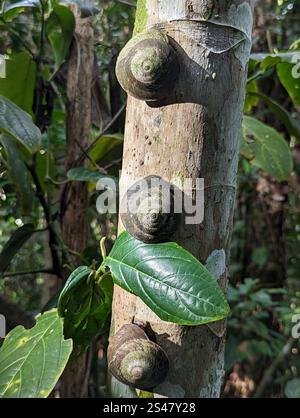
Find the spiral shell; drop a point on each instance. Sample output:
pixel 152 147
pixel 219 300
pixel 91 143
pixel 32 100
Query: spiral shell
pixel 135 360
pixel 147 67
pixel 148 210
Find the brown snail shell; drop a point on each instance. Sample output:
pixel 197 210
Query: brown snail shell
pixel 147 67
pixel 135 360
pixel 148 210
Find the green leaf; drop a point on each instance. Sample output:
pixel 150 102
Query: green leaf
pixel 284 116
pixel 289 77
pixel 31 361
pixel 60 29
pixel 19 83
pixel 13 10
pixel 106 145
pixel 13 245
pixel 85 303
pixel 292 389
pixel 251 100
pixel 266 149
pixel 84 174
pixel 174 284
pixel 74 280
pixel 17 123
pixel 17 170
pixel 260 256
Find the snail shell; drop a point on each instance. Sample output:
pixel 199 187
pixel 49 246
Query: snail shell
pixel 147 67
pixel 148 210
pixel 135 360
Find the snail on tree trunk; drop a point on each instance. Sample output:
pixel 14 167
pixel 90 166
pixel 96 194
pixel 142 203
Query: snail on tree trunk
pixel 148 67
pixel 135 360
pixel 148 210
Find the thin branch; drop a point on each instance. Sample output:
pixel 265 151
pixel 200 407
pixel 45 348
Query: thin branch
pixel 109 125
pixel 128 3
pixel 26 272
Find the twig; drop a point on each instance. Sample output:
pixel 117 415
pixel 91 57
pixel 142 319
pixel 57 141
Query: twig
pixel 87 373
pixel 128 3
pixel 25 272
pixel 109 125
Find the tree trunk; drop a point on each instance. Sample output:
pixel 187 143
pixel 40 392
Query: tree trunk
pixel 74 201
pixel 194 134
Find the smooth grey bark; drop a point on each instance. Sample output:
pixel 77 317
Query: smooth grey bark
pixel 194 133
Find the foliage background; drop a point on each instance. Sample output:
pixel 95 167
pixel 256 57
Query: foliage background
pixel 265 269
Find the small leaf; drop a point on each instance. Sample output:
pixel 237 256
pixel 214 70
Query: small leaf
pixel 284 116
pixel 13 10
pixel 105 146
pixel 13 245
pixel 289 77
pixel 17 123
pixel 19 83
pixel 60 28
pixel 292 389
pixel 31 361
pixel 260 256
pixel 74 280
pixel 85 305
pixel 17 170
pixel 266 148
pixel 174 284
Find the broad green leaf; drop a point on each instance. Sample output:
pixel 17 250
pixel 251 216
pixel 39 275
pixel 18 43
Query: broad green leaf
pixel 292 389
pixel 75 279
pixel 19 83
pixel 85 304
pixel 31 361
pixel 266 149
pixel 60 28
pixel 84 174
pixel 13 245
pixel 284 116
pixel 19 175
pixel 289 76
pixel 105 145
pixel 174 284
pixel 17 123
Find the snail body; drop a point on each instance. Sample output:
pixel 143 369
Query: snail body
pixel 147 67
pixel 148 210
pixel 135 360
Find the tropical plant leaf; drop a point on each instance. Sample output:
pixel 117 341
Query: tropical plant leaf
pixel 291 124
pixel 19 175
pixel 13 245
pixel 31 361
pixel 106 145
pixel 13 10
pixel 19 83
pixel 174 284
pixel 17 123
pixel 85 304
pixel 266 149
pixel 60 29
pixel 289 77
